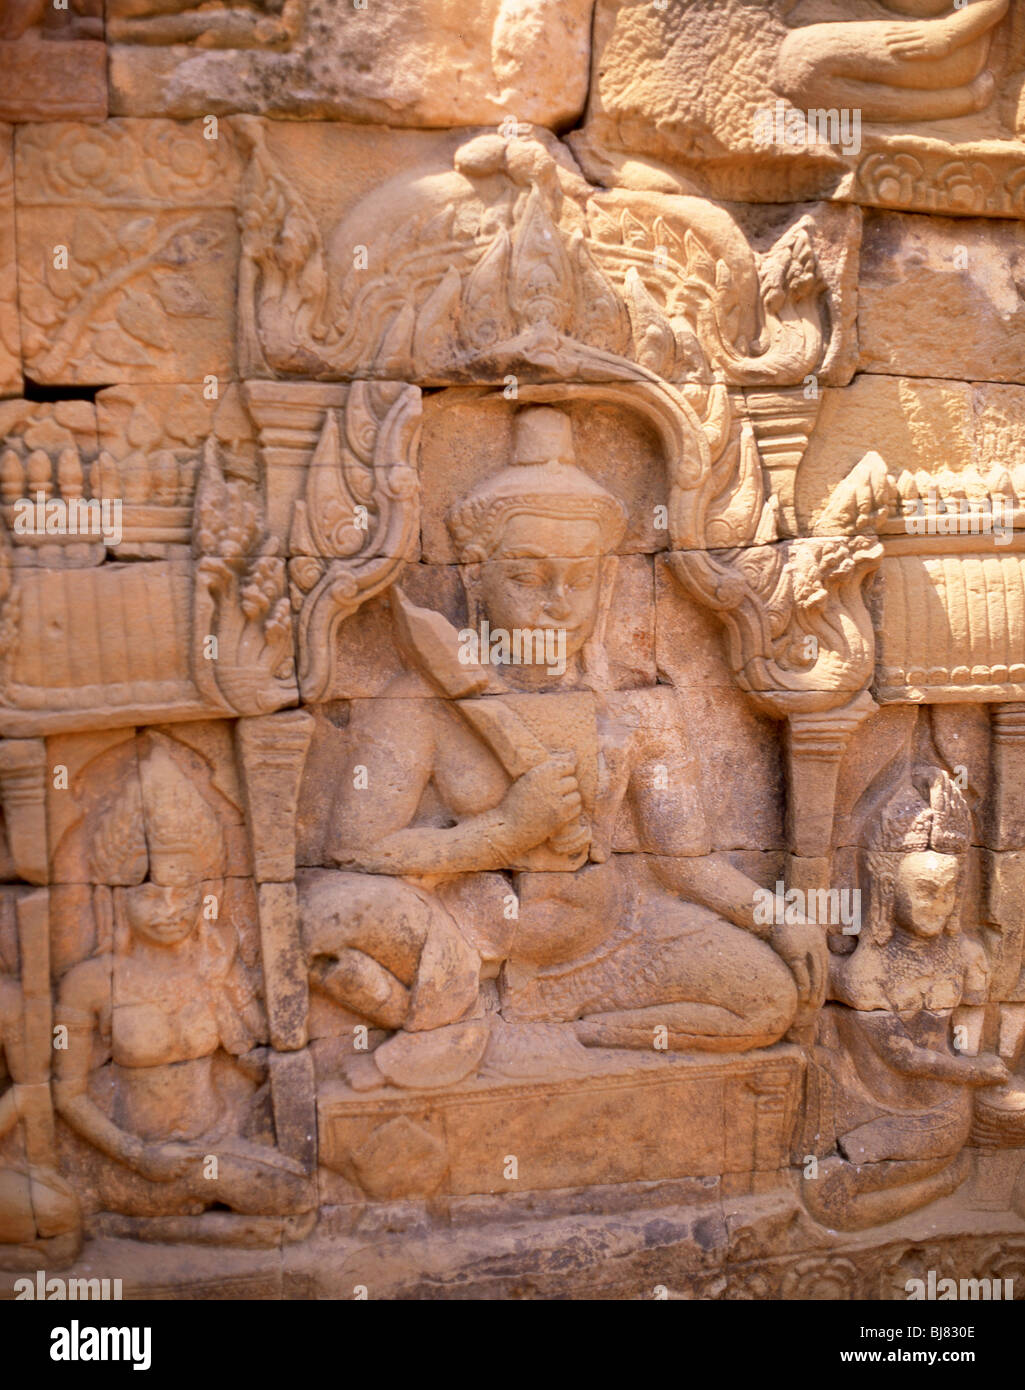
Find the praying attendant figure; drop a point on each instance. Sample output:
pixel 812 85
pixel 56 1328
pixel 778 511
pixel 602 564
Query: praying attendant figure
pixel 163 1032
pixel 902 1093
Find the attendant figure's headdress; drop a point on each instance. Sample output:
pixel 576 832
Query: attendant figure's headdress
pixel 170 828
pixel 183 832
pixel 926 810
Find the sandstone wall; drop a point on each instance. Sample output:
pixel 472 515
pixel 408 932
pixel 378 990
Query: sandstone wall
pixel 512 646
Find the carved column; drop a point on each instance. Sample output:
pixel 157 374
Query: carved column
pixel 815 745
pixel 33 914
pixel 289 416
pixel 23 795
pixel 271 753
pixel 1004 873
pixel 783 422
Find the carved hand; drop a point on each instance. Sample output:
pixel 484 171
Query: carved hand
pixel 543 800
pixel 572 839
pixel 988 1070
pixel 861 501
pixel 803 946
pixel 916 41
pixel 164 1162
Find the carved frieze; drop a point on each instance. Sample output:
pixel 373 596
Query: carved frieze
pixel 891 103
pixel 512 669
pixel 404 64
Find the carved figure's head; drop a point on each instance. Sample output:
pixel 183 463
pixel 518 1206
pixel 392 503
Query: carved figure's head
pixel 173 837
pixel 916 858
pixel 533 536
pixel 186 845
pixel 163 916
pixel 925 892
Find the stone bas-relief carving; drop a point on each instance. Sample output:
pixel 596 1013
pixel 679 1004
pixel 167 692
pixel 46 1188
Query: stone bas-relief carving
pixel 910 971
pixel 10 346
pixel 154 1017
pixel 496 255
pixel 534 541
pixel 428 63
pixel 891 103
pixel 512 696
pixel 932 68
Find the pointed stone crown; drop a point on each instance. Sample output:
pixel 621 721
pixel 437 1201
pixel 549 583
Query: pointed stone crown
pixel 911 821
pixel 542 480
pixel 183 833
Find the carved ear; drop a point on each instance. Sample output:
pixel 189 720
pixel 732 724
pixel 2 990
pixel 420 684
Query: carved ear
pixel 881 877
pixel 595 655
pixel 471 577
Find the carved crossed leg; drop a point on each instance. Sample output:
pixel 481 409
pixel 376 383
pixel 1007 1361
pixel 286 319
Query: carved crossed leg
pixel 723 990
pixel 392 955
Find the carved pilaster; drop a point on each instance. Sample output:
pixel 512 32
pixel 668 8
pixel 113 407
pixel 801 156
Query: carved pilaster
pixel 272 751
pixel 815 745
pixel 1007 806
pixel 23 795
pixel 33 914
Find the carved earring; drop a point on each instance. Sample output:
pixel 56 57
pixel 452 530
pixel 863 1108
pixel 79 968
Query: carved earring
pixel 471 587
pixel 594 657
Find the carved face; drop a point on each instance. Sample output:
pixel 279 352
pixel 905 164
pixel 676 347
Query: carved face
pixel 163 916
pixel 546 574
pixel 926 892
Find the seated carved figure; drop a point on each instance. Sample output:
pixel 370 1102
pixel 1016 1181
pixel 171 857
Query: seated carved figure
pixel 35 1202
pixel 162 1053
pixel 625 922
pixel 930 64
pixel 902 1094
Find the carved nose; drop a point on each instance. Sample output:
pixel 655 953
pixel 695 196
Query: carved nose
pixel 556 605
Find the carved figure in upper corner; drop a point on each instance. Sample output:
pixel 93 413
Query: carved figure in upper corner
pixel 931 64
pixel 625 920
pixel 35 1202
pixel 902 1094
pixel 162 1063
pixel 244 24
